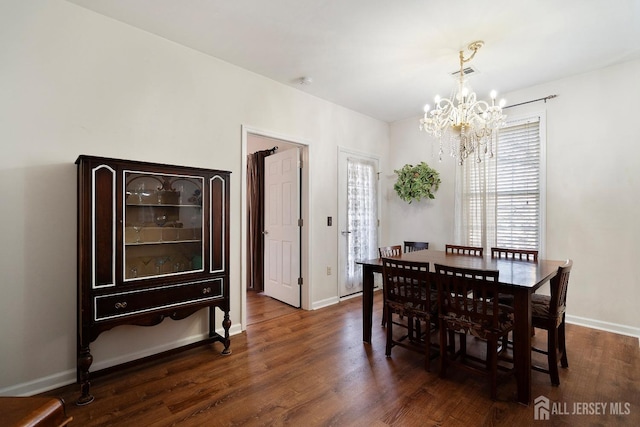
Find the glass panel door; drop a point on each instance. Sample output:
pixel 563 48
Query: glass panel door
pixel 358 218
pixel 163 225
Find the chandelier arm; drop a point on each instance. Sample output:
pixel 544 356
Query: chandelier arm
pixel 448 104
pixel 463 60
pixel 475 46
pixel 481 106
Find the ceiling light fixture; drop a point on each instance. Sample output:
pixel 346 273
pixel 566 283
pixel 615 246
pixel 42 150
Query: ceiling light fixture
pixel 469 125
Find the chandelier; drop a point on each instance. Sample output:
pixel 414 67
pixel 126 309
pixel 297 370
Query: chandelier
pixel 468 125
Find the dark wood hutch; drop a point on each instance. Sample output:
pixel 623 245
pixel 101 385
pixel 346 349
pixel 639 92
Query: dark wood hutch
pixel 153 242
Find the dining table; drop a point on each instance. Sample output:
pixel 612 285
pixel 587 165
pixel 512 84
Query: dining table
pixel 516 277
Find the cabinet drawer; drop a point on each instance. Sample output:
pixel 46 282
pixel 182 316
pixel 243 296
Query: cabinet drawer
pixel 121 304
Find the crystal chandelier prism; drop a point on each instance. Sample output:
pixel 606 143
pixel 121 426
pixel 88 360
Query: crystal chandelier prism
pixel 469 126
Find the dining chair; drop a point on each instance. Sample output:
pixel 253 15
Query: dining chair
pixel 520 254
pixel 548 312
pixel 464 250
pixel 465 307
pixel 415 246
pixel 407 291
pixel 387 251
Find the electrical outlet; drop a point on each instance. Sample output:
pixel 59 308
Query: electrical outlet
pixel 328 271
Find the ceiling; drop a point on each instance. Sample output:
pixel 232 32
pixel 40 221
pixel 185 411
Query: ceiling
pixel 387 58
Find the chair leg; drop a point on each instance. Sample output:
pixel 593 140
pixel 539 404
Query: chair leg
pixel 492 365
pixel 427 346
pixel 384 315
pixel 389 337
pixel 410 328
pixel 463 345
pixel 452 342
pixel 552 355
pixel 563 345
pixel 417 330
pixel 443 349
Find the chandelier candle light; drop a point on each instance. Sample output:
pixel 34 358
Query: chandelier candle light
pixel 470 125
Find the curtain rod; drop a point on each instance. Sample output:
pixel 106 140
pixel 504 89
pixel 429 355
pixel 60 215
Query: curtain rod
pixel 529 102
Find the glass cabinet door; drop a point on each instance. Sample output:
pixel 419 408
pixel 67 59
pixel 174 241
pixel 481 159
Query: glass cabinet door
pixel 163 232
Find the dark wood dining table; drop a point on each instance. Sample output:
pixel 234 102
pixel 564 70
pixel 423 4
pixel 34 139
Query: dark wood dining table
pixel 518 278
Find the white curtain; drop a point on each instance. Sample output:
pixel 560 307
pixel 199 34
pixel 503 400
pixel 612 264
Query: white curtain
pixel 362 218
pixel 475 204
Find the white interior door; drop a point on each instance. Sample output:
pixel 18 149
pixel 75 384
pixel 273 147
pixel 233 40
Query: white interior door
pixel 282 230
pixel 357 218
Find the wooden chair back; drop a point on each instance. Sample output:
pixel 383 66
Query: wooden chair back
pixel 464 250
pixel 415 246
pixel 559 285
pixel 407 287
pixel 388 251
pixel 521 254
pixel 465 298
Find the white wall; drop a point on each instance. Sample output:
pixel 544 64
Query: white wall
pixel 425 220
pixel 593 185
pixel 74 82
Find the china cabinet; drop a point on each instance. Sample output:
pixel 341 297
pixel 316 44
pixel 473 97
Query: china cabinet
pixel 153 242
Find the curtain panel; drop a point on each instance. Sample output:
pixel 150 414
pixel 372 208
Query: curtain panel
pixel 255 220
pixel 475 203
pixel 362 217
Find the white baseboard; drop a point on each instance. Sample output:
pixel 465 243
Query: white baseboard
pixel 325 303
pixel 40 385
pixel 61 379
pixel 356 295
pixel 604 326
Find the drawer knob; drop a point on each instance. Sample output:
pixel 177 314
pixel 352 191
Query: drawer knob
pixel 121 305
pixel 206 290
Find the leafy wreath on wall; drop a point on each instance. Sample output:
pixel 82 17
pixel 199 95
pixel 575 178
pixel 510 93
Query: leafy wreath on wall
pixel 416 182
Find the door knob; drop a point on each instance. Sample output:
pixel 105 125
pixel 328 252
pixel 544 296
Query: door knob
pixel 344 233
pixel 265 232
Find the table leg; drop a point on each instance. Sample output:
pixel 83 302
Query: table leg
pixel 522 344
pixel 367 302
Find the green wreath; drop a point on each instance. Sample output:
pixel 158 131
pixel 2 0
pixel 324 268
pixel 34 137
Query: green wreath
pixel 416 182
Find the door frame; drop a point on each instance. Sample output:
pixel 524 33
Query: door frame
pixel 305 247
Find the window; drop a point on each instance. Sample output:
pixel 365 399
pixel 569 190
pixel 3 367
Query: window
pixel 499 202
pixel 518 186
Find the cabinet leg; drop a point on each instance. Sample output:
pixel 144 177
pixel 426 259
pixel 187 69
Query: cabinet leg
pixel 226 324
pixel 85 359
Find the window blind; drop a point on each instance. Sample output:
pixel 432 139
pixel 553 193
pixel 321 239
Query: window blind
pixel 518 213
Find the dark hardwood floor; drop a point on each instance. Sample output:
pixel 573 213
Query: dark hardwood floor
pixel 261 307
pixel 311 368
